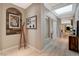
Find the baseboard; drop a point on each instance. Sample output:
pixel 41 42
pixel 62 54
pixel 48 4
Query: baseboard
pixel 16 47
pixel 10 48
pixel 30 46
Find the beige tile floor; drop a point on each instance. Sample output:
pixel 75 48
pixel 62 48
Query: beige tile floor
pixel 57 47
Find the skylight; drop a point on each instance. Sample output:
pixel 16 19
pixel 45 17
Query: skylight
pixel 64 9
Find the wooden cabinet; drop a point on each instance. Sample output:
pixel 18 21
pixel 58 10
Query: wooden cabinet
pixel 73 43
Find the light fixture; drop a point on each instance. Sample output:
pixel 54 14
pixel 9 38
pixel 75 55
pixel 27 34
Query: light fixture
pixel 64 9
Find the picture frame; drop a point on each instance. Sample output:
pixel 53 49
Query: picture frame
pixel 14 21
pixel 31 22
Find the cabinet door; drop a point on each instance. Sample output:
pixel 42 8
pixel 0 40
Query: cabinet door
pixel 73 43
pixel 76 44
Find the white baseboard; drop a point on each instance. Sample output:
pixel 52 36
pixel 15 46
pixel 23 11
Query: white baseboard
pixel 16 47
pixel 10 48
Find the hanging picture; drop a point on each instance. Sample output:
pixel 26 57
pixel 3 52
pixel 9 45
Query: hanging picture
pixel 14 21
pixel 31 22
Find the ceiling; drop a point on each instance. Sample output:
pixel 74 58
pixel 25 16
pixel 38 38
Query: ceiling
pixel 65 17
pixel 53 6
pixel 22 5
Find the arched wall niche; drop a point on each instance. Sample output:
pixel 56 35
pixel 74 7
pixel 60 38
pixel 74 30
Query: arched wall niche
pixel 13 21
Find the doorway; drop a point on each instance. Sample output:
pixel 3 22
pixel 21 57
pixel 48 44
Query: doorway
pixel 48 31
pixel 66 28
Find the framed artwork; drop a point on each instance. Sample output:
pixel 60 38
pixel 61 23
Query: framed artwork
pixel 14 21
pixel 31 22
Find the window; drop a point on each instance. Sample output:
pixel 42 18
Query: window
pixel 65 9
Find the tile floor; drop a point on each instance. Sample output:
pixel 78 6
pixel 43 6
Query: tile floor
pixel 57 47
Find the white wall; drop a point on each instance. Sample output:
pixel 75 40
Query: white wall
pixel 44 22
pixel 76 18
pixel 0 26
pixel 48 13
pixel 55 25
pixel 34 35
pixel 58 28
pixel 8 40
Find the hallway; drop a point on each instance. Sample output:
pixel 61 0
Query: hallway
pixel 57 47
pixel 43 25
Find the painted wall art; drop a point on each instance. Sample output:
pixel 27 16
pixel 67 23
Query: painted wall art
pixel 31 22
pixel 13 21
